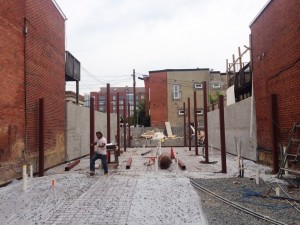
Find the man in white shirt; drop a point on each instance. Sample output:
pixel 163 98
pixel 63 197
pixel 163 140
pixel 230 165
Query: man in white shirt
pixel 100 153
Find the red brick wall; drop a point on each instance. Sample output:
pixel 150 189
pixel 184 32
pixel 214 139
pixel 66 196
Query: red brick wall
pixel 158 99
pixel 45 77
pixel 276 68
pixel 147 107
pixel 12 117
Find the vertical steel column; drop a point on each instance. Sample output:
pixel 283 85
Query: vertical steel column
pixel 124 112
pixel 274 116
pixel 41 137
pixel 128 119
pixel 92 126
pixel 118 123
pixel 222 133
pixel 77 92
pixel 108 118
pixel 189 122
pixel 184 124
pixel 205 121
pixel 108 111
pixel 134 100
pixel 196 122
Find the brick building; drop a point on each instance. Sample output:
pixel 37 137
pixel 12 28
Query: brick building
pixel 124 93
pixel 276 68
pixel 166 90
pixel 32 59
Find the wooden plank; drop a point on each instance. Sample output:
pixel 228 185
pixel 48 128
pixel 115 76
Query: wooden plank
pixel 169 130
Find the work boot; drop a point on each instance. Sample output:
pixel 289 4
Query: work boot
pixel 92 173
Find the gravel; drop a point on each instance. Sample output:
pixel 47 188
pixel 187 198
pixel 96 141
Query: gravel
pixel 245 192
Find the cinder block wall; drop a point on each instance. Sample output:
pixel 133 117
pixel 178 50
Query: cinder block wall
pixel 12 117
pixel 276 69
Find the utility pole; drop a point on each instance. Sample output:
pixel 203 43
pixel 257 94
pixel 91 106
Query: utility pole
pixel 134 100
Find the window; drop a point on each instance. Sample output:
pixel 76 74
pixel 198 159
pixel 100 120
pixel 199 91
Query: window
pixel 181 112
pixel 198 86
pixel 199 111
pixel 216 86
pixel 176 91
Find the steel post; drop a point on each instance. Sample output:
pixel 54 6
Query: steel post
pixel 41 137
pixel 222 134
pixel 196 123
pixel 205 121
pixel 92 126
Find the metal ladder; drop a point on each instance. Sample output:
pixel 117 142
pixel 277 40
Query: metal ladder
pixel 288 156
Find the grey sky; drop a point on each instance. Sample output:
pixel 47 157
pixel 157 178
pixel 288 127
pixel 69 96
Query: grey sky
pixel 112 37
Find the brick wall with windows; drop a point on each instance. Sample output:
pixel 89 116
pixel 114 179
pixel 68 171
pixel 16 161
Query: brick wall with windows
pixel 276 69
pixel 12 117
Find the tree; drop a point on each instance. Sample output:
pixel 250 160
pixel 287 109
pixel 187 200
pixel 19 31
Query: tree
pixel 142 118
pixel 213 98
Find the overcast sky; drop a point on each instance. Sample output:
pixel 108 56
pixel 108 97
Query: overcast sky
pixel 112 37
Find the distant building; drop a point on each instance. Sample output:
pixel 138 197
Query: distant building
pixel 71 97
pixel 87 100
pixel 124 93
pixel 167 90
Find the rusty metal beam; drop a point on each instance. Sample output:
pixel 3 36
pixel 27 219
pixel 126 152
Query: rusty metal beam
pixel 196 123
pixel 184 124
pixel 108 111
pixel 189 122
pixel 128 164
pixel 128 119
pixel 92 126
pixel 72 164
pixel 118 123
pixel 205 121
pixel 222 134
pixel 41 137
pixel 275 132
pixel 124 124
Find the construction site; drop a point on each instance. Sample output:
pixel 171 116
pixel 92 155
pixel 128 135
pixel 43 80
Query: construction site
pixel 193 146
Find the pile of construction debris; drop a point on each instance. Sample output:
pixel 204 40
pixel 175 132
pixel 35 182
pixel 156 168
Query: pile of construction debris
pixel 151 134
